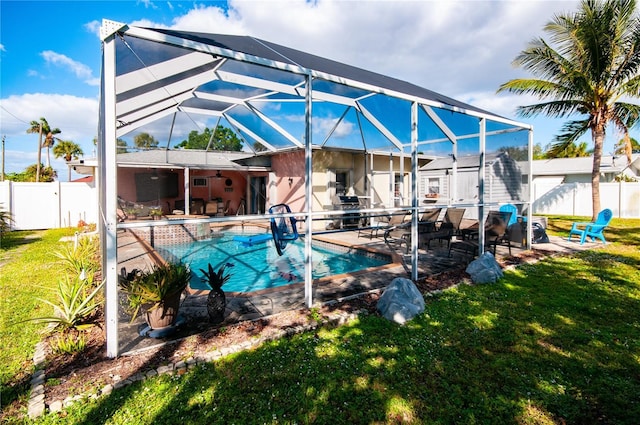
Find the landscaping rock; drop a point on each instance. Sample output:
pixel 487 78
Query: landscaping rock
pixel 484 269
pixel 401 301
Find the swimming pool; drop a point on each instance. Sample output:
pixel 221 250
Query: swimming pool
pixel 258 266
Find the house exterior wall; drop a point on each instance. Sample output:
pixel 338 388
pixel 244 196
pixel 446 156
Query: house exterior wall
pixel 326 164
pixel 285 166
pixel 503 183
pixel 383 187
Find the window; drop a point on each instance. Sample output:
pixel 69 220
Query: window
pixel 341 183
pixel 434 186
pixel 199 182
pixel 337 184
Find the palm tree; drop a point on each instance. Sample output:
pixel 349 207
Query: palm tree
pixel 569 150
pixel 42 127
pixel 49 141
pixel 592 69
pixel 67 150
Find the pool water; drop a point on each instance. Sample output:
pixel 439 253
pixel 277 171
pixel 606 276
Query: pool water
pixel 258 266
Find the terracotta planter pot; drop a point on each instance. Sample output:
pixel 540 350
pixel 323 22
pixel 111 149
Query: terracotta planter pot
pixel 165 314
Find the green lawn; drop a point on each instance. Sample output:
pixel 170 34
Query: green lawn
pixel 553 342
pixel 29 270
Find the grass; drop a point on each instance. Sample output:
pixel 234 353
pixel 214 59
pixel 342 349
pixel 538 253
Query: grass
pixel 29 270
pixel 623 231
pixel 553 342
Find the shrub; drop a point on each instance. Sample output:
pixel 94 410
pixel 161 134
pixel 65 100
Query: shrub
pixel 5 221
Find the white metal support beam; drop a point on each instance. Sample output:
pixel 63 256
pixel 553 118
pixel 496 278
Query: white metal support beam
pixel 377 124
pixel 108 180
pixel 414 191
pixel 274 125
pixel 308 188
pixel 251 133
pixel 481 176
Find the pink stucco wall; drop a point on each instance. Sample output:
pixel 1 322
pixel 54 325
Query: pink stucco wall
pixel 285 166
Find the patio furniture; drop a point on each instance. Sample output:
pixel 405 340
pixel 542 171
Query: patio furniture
pixel 593 229
pixel 384 223
pixel 400 234
pixel 496 232
pixel 397 236
pixel 514 213
pixel 449 228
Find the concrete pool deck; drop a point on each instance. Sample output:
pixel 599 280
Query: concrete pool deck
pixel 135 253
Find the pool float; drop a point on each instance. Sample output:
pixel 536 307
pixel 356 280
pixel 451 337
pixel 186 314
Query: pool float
pixel 253 239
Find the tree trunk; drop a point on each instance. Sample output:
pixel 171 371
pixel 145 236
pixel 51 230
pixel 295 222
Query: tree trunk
pixel 39 155
pixel 597 133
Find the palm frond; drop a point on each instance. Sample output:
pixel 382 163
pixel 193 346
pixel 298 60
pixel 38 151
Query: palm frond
pixel 625 115
pixel 571 131
pixel 552 109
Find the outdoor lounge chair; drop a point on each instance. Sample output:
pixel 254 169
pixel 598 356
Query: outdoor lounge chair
pixel 384 224
pixel 398 235
pixel 446 230
pixel 496 232
pixel 592 230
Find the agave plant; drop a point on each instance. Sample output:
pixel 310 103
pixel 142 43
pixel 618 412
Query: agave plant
pixel 82 256
pixel 77 301
pixel 150 288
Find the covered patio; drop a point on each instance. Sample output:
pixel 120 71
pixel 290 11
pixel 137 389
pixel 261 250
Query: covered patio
pixel 298 110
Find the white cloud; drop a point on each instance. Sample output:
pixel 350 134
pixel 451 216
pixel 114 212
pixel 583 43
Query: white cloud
pixel 2 49
pixel 80 70
pixel 93 27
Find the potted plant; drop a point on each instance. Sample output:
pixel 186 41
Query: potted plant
pixel 157 291
pixel 155 213
pixel 216 300
pixel 131 212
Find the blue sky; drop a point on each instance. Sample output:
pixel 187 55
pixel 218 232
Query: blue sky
pixel 50 66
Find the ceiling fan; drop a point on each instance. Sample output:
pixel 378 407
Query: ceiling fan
pixel 218 175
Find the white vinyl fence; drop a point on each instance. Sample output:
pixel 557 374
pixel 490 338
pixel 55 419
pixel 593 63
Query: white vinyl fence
pixel 49 205
pixel 62 204
pixel 575 199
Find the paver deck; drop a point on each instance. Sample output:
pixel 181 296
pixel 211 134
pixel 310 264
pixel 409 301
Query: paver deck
pixel 134 253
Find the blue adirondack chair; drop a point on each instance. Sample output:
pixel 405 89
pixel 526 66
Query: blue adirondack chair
pixel 514 213
pixel 593 230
